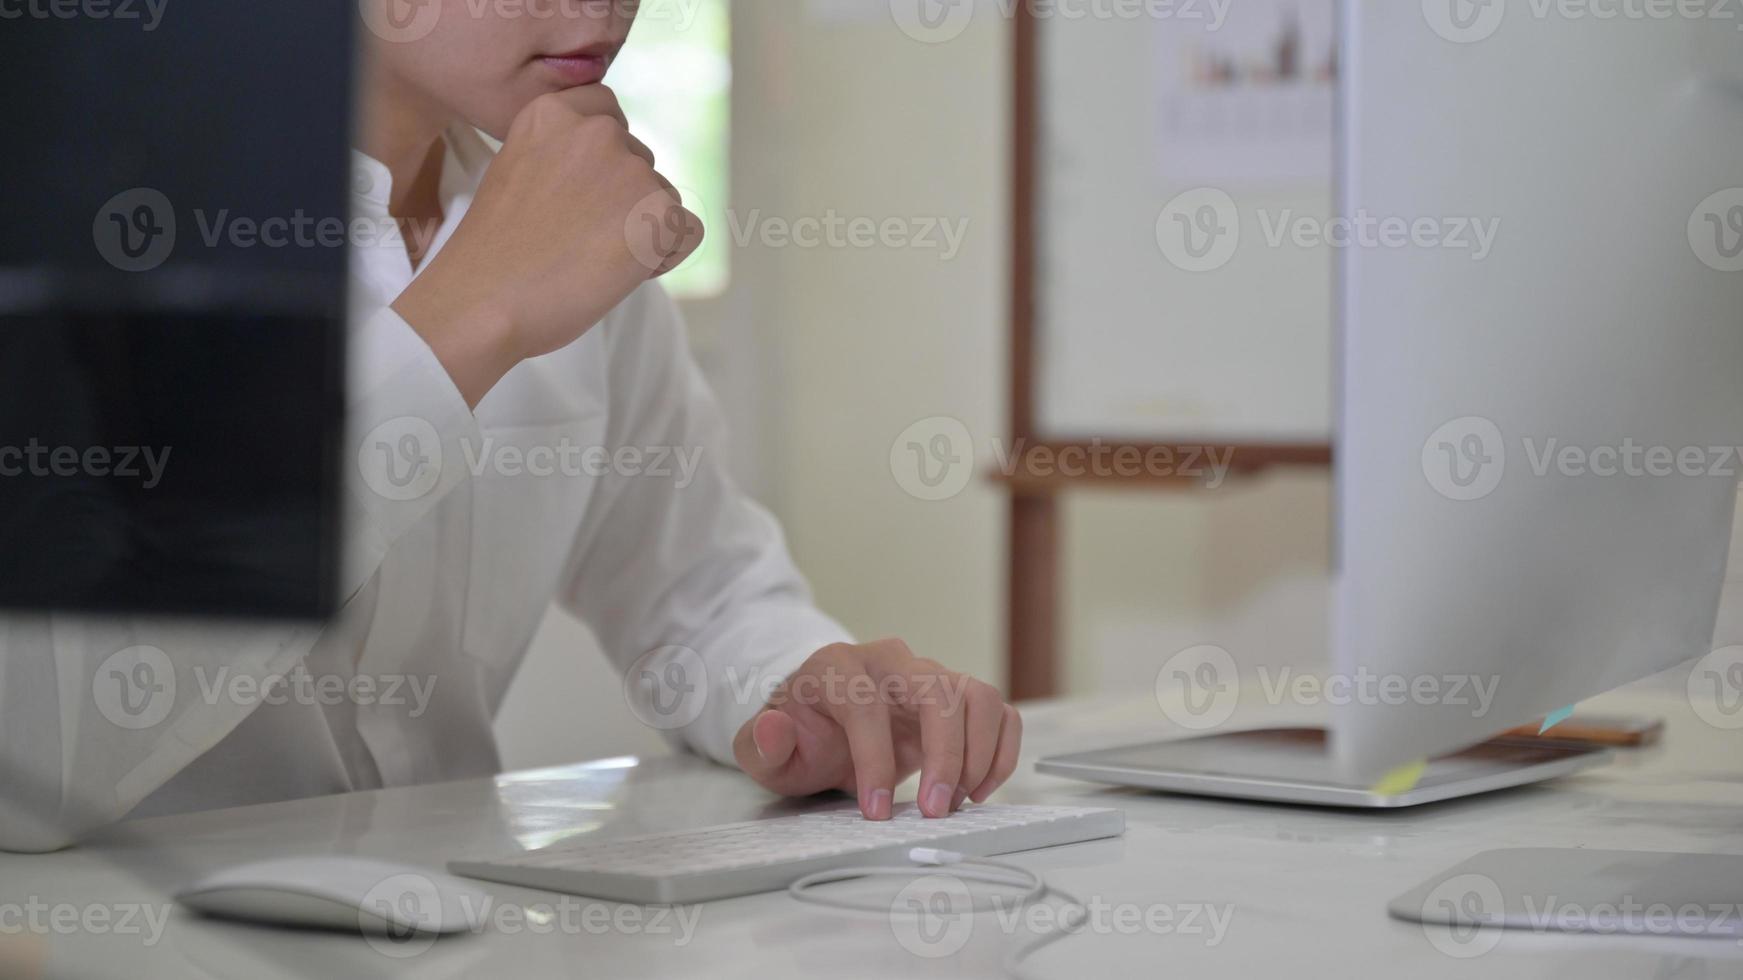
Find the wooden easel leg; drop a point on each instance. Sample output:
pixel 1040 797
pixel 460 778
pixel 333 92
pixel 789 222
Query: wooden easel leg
pixel 1032 669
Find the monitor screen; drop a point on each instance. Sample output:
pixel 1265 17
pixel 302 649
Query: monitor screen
pixel 172 302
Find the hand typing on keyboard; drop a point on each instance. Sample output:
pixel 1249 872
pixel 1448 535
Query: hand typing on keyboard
pixel 863 718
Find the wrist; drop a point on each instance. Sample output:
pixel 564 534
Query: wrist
pixel 473 342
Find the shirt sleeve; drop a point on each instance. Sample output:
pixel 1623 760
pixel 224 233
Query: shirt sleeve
pixel 684 579
pixel 97 713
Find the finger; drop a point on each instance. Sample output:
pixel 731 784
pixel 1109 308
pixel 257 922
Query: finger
pixel 671 188
pixel 872 745
pixel 985 717
pixel 22 957
pixel 889 656
pixel 661 232
pixel 1005 759
pixel 941 737
pixel 690 237
pixel 593 100
pixel 765 746
pixel 682 232
pixel 642 150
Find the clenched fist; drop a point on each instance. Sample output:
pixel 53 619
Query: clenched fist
pixel 571 218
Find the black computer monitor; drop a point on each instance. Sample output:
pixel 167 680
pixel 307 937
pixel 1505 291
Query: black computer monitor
pixel 171 379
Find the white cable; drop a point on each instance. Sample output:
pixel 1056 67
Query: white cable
pixel 927 861
pixel 1015 959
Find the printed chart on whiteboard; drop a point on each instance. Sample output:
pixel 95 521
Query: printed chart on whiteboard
pixel 1249 99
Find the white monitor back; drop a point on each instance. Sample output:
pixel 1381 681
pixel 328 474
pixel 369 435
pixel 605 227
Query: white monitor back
pixel 1605 157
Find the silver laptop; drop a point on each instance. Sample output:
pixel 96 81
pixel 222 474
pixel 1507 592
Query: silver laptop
pixel 1291 765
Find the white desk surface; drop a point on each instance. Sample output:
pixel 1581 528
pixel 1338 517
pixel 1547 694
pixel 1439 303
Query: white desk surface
pixel 1308 887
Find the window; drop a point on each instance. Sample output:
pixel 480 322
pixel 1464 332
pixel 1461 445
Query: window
pixel 675 82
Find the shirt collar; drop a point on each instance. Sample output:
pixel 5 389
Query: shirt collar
pixel 466 157
pixel 380 263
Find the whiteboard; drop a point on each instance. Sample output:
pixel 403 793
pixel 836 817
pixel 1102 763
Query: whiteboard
pixel 1145 123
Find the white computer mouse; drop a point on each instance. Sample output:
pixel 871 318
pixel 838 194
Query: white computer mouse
pixel 349 894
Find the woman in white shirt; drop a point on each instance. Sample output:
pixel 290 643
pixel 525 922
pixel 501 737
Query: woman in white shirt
pixel 517 380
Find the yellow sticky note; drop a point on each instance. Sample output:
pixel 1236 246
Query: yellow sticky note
pixel 1401 780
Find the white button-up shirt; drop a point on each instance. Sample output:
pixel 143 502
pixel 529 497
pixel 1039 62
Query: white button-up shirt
pixel 593 476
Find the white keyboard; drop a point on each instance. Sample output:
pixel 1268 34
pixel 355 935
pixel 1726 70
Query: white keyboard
pixel 767 855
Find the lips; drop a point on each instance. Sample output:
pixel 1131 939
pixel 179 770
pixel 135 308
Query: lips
pixel 585 66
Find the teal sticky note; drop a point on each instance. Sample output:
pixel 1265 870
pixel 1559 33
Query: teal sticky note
pixel 1555 718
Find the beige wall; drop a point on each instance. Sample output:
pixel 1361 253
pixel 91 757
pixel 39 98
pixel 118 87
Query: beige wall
pixel 1244 567
pixel 869 342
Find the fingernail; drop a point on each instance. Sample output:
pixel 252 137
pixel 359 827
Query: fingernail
pixel 756 744
pixel 956 801
pixel 879 808
pixel 938 800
